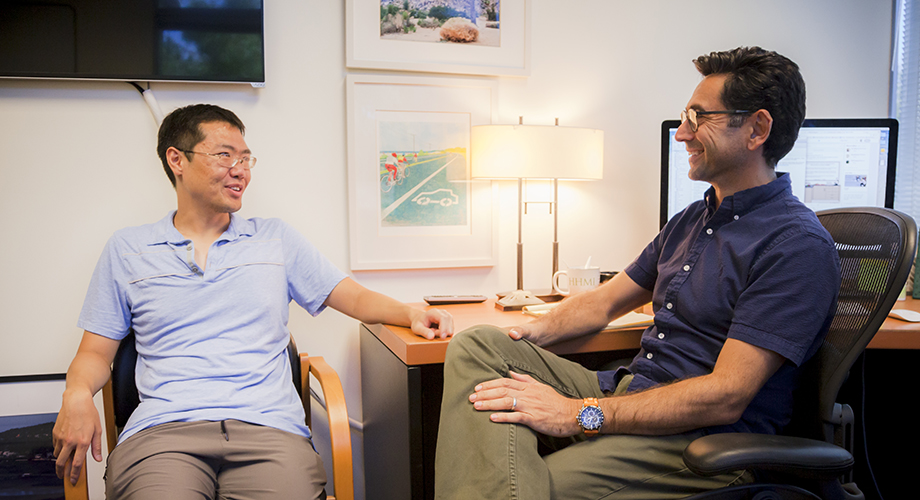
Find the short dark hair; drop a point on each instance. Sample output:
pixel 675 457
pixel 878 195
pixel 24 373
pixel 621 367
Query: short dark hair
pixel 181 129
pixel 761 79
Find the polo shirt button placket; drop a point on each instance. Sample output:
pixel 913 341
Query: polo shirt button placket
pixel 190 260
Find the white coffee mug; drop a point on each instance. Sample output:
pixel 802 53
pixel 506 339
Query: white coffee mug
pixel 580 279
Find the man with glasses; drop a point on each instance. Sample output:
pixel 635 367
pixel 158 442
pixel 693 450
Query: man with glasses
pixel 206 293
pixel 743 284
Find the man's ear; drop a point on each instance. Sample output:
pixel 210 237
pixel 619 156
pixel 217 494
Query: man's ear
pixel 761 123
pixel 176 160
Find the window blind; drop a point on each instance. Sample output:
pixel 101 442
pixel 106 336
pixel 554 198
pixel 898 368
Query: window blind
pixel 906 106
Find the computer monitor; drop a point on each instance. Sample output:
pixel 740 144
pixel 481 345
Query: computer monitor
pixel 835 163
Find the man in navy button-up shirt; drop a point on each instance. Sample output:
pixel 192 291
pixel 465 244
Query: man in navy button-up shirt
pixel 743 283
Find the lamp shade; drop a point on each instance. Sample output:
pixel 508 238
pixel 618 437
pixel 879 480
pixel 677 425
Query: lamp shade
pixel 536 152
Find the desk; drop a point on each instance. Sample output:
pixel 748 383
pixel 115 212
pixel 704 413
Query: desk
pixel 898 334
pixel 401 383
pixel 402 380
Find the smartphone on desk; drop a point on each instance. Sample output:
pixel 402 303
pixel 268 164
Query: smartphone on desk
pixel 441 300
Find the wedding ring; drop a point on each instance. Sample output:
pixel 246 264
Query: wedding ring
pixel 513 402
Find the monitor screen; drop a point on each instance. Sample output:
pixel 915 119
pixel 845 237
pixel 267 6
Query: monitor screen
pixel 133 40
pixel 834 163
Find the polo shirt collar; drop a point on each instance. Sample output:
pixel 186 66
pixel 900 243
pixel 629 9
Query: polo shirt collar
pixel 167 233
pixel 743 202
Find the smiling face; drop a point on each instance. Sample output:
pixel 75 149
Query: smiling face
pixel 717 150
pixel 205 185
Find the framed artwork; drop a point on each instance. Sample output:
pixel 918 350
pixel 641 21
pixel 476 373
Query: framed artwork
pixel 28 409
pixel 476 37
pixel 412 204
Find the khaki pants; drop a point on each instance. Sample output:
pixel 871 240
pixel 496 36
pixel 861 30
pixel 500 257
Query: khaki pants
pixel 477 458
pixel 208 460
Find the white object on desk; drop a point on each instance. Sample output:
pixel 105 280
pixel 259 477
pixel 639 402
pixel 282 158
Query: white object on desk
pixel 905 315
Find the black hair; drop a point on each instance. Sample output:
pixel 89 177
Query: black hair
pixel 181 129
pixel 761 79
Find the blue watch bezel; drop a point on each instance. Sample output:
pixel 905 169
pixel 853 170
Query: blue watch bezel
pixel 591 418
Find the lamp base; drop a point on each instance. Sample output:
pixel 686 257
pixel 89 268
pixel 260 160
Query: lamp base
pixel 544 294
pixel 516 300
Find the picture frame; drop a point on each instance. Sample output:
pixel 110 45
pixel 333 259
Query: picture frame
pixel 414 131
pixel 367 48
pixel 28 408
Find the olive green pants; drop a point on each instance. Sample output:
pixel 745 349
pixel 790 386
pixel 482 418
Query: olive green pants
pixel 477 458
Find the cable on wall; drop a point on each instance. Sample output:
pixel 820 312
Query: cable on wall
pixel 151 102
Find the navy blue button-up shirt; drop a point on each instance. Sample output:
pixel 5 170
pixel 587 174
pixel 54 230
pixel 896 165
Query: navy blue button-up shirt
pixel 760 269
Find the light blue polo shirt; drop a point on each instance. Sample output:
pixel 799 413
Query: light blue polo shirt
pixel 211 344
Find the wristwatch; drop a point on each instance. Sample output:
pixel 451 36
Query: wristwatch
pixel 590 417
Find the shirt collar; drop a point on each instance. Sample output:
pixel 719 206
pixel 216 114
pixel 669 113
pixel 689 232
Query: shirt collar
pixel 744 201
pixel 166 232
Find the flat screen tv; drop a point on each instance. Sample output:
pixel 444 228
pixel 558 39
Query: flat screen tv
pixel 133 40
pixel 845 162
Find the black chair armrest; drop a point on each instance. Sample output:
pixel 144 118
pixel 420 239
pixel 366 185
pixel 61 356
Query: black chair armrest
pixel 806 458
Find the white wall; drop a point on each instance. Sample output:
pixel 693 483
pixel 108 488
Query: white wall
pixel 78 159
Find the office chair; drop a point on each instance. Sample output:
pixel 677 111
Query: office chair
pixel 120 398
pixel 813 459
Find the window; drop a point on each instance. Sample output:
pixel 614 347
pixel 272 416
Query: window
pixel 905 106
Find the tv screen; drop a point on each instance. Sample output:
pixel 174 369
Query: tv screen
pixel 834 163
pixel 133 40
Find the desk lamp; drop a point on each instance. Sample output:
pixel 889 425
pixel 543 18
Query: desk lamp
pixel 535 152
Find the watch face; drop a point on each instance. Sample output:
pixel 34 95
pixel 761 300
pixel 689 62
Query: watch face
pixel 591 418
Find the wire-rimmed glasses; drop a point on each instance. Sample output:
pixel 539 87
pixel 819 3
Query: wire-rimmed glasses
pixel 227 161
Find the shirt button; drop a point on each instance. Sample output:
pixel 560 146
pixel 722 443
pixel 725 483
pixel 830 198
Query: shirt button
pixel 661 336
pixel 649 356
pixel 194 269
pixel 686 267
pixel 709 231
pixel 736 217
pixel 670 305
pixel 188 247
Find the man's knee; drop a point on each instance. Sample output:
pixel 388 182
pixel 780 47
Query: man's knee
pixel 474 342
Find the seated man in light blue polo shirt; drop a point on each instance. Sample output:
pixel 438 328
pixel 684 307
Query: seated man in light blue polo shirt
pixel 206 293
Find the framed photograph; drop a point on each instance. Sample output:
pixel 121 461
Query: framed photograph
pixel 412 203
pixel 476 37
pixel 28 410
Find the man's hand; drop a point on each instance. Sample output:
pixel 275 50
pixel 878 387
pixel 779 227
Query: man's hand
pixel 76 430
pixel 433 323
pixel 523 400
pixel 525 331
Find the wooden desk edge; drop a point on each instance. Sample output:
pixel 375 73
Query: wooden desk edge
pixel 414 350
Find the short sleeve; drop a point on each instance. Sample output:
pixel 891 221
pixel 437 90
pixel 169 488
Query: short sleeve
pixel 106 310
pixel 791 295
pixel 311 276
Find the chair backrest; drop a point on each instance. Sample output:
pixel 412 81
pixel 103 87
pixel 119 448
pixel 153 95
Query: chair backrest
pixel 124 388
pixel 876 247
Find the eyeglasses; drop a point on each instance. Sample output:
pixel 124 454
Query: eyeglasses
pixel 227 161
pixel 692 114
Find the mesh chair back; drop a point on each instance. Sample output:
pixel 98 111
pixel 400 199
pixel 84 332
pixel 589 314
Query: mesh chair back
pixel 876 247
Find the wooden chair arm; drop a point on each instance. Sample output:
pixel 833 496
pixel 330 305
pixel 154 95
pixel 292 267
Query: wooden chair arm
pixel 340 439
pixel 108 404
pixel 79 491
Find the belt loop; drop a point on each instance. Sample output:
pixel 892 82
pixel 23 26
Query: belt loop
pixel 223 430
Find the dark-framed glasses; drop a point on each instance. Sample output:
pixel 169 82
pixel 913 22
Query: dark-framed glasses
pixel 692 115
pixel 227 161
